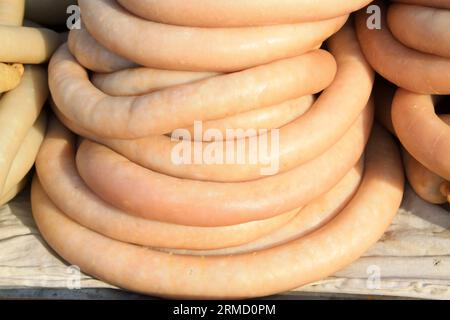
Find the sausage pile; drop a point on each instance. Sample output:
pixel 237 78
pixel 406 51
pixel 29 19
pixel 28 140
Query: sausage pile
pixel 23 92
pixel 109 197
pixel 412 50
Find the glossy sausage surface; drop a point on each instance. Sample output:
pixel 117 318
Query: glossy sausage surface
pixel 421 28
pixel 199 49
pixel 59 177
pixel 156 196
pixel 407 68
pixel 421 131
pixel 360 224
pixel 177 107
pixel 222 13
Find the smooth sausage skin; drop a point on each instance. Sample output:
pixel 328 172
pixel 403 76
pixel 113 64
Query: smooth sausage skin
pixel 92 55
pixel 139 81
pixel 12 12
pixel 421 28
pixel 300 141
pixel 57 172
pixel 222 13
pixel 421 131
pixel 407 68
pixel 318 255
pixel 312 217
pixel 177 107
pixel 27 45
pixel 199 49
pixel 26 154
pixel 428 185
pixel 156 196
pixel 19 109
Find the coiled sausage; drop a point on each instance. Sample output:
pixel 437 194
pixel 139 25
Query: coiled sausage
pixel 19 109
pixel 155 196
pixel 199 49
pixel 421 28
pixel 299 141
pixel 407 68
pixel 312 217
pixel 56 169
pixel 308 259
pixel 92 55
pixel 139 81
pixel 178 107
pixel 421 131
pixel 221 13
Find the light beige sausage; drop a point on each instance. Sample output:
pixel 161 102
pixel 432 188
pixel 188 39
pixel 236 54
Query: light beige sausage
pixel 24 159
pixel 92 55
pixel 308 259
pixel 199 49
pixel 27 45
pixel 298 141
pixel 312 217
pixel 139 81
pixel 178 107
pixel 407 68
pixel 12 12
pixel 13 192
pixel 254 122
pixel 59 177
pixel 220 13
pixel 155 196
pixel 19 109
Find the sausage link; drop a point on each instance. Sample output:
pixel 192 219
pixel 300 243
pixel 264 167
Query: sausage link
pixel 12 12
pixel 27 45
pixel 421 131
pixel 312 217
pixel 316 256
pixel 252 123
pixel 19 109
pixel 178 107
pixel 425 183
pixel 199 49
pixel 222 13
pixel 299 141
pixel 56 169
pixel 139 81
pixel 13 192
pixel 156 196
pixel 421 28
pixel 92 55
pixel 407 68
pixel 28 150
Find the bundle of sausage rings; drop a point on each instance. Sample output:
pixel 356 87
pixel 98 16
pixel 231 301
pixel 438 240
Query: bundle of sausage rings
pixel 110 198
pixel 23 92
pixel 411 49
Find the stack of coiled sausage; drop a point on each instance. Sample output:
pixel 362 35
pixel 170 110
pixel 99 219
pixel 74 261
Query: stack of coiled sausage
pixel 23 91
pixel 412 50
pixel 114 202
